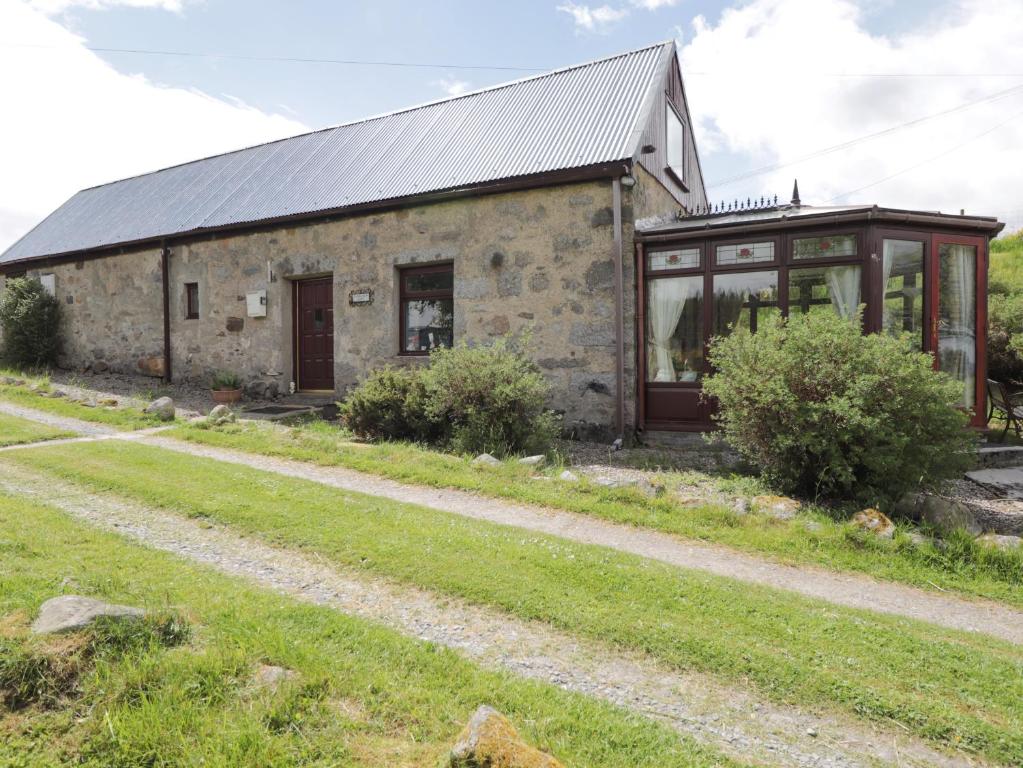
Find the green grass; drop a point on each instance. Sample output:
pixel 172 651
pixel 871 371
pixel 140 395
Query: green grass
pixel 971 569
pixel 119 417
pixel 955 689
pixel 365 696
pixel 15 431
pixel 1005 271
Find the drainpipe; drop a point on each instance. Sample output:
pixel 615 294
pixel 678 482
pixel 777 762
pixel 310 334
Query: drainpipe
pixel 164 270
pixel 616 208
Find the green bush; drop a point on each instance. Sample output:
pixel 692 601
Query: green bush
pixel 30 320
pixel 468 400
pixel 828 412
pixel 1005 338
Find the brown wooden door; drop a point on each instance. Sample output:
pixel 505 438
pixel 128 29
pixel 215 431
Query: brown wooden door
pixel 314 332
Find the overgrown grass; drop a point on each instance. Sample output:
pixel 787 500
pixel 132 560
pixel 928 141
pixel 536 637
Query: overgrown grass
pixel 955 689
pixel 364 696
pixel 15 431
pixel 972 569
pixel 1005 271
pixel 119 417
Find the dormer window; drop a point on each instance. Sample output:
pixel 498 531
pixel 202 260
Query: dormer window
pixel 675 138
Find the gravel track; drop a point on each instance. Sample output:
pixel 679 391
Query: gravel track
pixel 729 718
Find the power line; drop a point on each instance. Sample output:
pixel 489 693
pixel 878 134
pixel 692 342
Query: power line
pixel 868 137
pixel 287 59
pixel 931 159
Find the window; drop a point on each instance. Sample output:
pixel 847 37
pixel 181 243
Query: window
pixel 674 334
pixel 191 301
pixel 675 258
pixel 744 253
pixel 903 308
pixel 836 287
pixel 49 283
pixel 427 308
pixel 675 139
pixel 744 300
pixel 826 247
pixel 957 315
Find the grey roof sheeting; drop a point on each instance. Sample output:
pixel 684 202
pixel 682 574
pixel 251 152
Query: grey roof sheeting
pixel 567 119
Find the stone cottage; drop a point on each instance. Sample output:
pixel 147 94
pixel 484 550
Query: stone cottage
pixel 311 260
pixel 570 205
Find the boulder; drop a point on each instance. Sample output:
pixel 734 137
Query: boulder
pixel 939 512
pixel 100 366
pixel 69 613
pixel 1000 542
pixel 741 506
pixel 781 507
pixel 256 390
pixel 162 408
pixel 486 460
pixel 491 741
pixel 151 366
pixel 533 461
pixel 271 676
pixel 569 476
pixel 874 521
pixel 220 414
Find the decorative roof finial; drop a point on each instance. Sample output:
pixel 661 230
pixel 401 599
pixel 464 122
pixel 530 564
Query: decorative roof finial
pixel 795 193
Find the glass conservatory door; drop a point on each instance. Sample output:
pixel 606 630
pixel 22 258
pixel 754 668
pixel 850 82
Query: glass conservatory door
pixel 954 312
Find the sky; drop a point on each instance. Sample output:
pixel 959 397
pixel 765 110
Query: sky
pixel 904 103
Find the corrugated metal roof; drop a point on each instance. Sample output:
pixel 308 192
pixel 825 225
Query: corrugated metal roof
pixel 570 118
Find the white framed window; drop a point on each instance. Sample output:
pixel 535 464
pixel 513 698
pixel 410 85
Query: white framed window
pixel 49 283
pixel 675 137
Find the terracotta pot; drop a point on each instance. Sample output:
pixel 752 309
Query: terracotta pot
pixel 226 396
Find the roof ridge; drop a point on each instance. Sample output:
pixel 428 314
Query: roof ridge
pixel 381 115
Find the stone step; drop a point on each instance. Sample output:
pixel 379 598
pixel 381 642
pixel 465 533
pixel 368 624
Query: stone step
pixel 1006 482
pixel 994 456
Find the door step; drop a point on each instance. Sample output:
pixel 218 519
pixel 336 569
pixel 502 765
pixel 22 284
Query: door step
pixel 994 456
pixel 1006 482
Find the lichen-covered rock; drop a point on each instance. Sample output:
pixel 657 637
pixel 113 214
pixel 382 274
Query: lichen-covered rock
pixel 1000 541
pixel 162 408
pixel 939 512
pixel 486 460
pixel 69 613
pixel 568 476
pixel 781 507
pixel 491 741
pixel 272 676
pixel 533 461
pixel 220 414
pixel 874 521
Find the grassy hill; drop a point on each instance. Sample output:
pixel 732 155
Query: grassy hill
pixel 1006 269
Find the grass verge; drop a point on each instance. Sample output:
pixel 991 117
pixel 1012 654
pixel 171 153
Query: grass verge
pixel 955 689
pixel 364 696
pixel 15 431
pixel 965 567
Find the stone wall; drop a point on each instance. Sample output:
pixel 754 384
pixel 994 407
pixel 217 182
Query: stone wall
pixel 533 261
pixel 113 310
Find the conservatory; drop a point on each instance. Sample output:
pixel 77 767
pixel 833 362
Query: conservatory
pixel 700 276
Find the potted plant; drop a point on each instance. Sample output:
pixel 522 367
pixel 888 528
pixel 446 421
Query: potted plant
pixel 227 387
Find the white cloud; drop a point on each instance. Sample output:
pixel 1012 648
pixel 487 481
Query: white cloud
pixel 72 121
pixel 769 96
pixel 653 5
pixel 53 7
pixel 594 19
pixel 452 86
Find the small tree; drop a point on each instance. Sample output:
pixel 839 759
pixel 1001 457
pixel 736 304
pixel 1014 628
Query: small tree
pixel 30 319
pixel 827 411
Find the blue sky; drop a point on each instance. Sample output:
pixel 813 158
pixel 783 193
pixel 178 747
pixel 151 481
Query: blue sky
pixel 768 82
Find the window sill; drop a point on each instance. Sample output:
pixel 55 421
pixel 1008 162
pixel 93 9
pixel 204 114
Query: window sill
pixel 677 177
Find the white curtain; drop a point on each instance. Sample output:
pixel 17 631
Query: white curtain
pixel 844 287
pixel 887 265
pixel 666 298
pixel 957 340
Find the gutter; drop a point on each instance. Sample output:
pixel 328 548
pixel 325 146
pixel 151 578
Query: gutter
pixel 616 208
pixel 164 271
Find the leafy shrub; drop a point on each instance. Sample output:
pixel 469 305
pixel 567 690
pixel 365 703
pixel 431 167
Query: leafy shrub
pixel 827 411
pixel 1005 338
pixel 469 400
pixel 30 320
pixel 226 380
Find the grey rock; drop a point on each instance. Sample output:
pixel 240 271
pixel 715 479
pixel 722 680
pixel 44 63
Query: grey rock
pixel 256 390
pixel 741 506
pixel 485 459
pixel 1000 541
pixel 271 676
pixel 568 476
pixel 68 613
pixel 162 408
pixel 533 461
pixel 100 366
pixel 220 414
pixel 939 512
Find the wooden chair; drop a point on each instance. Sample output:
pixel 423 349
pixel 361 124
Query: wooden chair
pixel 1007 405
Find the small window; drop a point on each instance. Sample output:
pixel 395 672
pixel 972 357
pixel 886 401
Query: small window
pixel 427 308
pixel 675 258
pixel 191 301
pixel 675 138
pixel 745 253
pixel 49 283
pixel 826 247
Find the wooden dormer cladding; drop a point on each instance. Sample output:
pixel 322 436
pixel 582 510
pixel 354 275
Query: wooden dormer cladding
pixel 692 194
